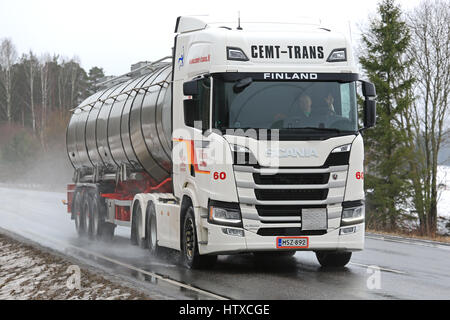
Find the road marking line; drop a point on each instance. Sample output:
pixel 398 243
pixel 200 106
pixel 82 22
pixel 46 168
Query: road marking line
pixel 429 245
pixel 126 265
pixel 381 268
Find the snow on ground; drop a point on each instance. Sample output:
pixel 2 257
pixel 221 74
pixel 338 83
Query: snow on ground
pixel 444 200
pixel 27 273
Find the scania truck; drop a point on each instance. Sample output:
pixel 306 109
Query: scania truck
pixel 245 140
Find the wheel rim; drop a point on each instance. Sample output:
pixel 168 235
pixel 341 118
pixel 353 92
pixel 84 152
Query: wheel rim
pixel 189 239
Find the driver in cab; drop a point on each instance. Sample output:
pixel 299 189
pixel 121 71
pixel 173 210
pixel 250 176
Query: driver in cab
pixel 303 115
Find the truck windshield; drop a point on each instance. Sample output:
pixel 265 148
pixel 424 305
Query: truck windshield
pixel 310 106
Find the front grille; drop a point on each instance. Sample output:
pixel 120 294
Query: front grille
pixel 283 211
pixel 274 232
pixel 291 194
pixel 334 159
pixel 291 178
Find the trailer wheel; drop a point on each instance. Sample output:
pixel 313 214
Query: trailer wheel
pixel 191 258
pixel 333 259
pixel 97 220
pixel 80 226
pixel 151 230
pixel 87 214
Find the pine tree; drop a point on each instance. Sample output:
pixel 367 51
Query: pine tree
pixel 94 77
pixel 383 60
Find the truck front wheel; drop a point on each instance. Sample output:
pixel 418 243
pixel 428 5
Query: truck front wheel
pixel 333 259
pixel 192 259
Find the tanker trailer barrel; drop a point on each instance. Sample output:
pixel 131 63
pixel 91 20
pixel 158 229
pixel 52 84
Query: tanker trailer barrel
pixel 128 124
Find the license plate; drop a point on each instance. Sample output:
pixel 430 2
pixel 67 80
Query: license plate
pixel 292 242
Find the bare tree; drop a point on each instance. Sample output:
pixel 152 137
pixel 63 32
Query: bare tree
pixel 31 67
pixel 45 90
pixel 428 123
pixel 63 79
pixel 74 69
pixel 8 56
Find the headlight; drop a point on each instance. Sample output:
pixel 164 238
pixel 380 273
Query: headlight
pixel 353 215
pixel 344 148
pixel 338 55
pixel 238 148
pixel 236 54
pixel 242 155
pixel 224 213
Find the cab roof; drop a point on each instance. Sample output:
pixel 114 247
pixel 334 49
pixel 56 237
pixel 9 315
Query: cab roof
pixel 196 23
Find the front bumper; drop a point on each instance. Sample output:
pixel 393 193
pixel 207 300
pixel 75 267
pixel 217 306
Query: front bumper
pixel 220 243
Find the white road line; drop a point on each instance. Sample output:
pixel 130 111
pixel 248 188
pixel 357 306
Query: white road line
pixel 381 268
pixel 126 265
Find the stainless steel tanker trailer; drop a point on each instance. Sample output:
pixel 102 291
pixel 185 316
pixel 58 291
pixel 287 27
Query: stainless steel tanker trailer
pixel 119 142
pixel 169 149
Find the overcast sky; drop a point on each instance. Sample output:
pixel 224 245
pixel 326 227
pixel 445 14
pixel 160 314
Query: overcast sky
pixel 114 34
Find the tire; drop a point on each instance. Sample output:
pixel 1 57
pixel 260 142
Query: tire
pixel 97 218
pixel 333 259
pixel 133 237
pixel 191 258
pixel 137 218
pixel 77 212
pixel 274 254
pixel 86 215
pixel 151 230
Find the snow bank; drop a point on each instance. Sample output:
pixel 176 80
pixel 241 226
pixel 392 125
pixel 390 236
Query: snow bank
pixel 27 273
pixel 443 207
pixel 444 191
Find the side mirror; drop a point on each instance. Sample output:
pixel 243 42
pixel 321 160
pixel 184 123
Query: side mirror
pixel 368 89
pixel 190 88
pixel 370 104
pixel 370 113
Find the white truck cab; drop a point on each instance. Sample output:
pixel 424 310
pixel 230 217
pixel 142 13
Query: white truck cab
pixel 266 143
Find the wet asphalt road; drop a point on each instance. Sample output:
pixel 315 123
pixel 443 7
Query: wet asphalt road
pixel 386 269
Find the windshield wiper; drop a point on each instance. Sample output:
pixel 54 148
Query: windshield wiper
pixel 320 129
